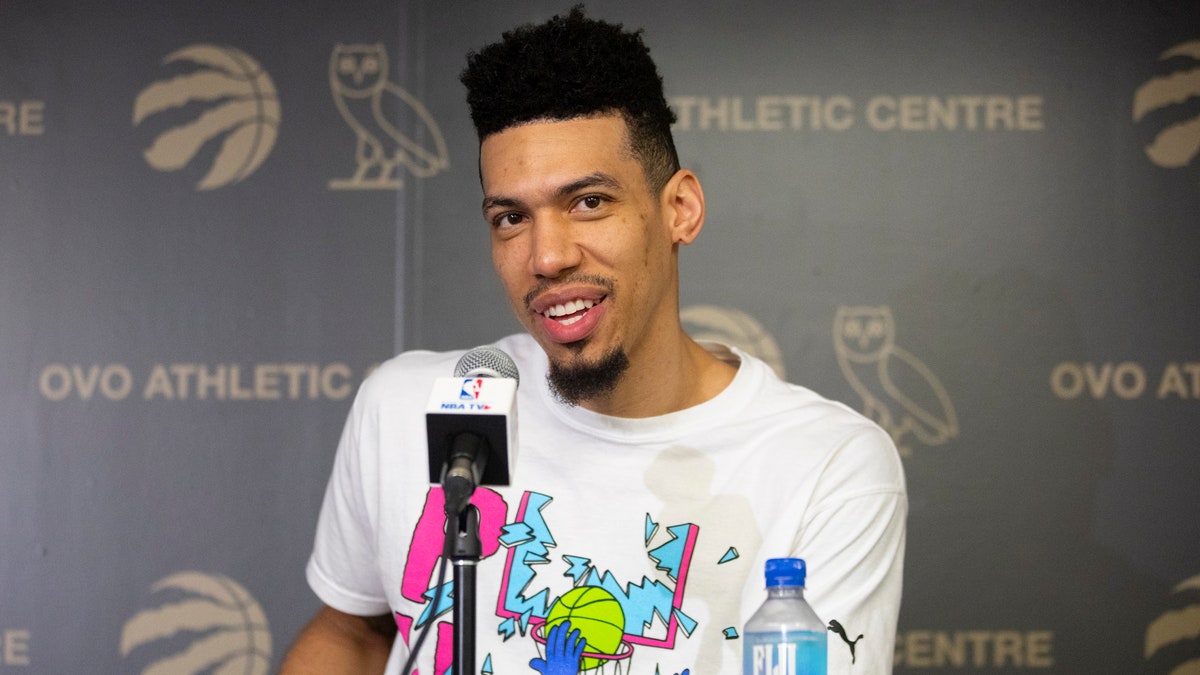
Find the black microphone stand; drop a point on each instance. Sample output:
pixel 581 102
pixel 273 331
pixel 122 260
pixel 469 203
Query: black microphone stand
pixel 464 551
pixel 463 546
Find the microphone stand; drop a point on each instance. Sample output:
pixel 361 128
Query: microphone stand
pixel 464 551
pixel 463 546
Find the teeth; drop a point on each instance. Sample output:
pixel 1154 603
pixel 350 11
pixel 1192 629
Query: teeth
pixel 568 308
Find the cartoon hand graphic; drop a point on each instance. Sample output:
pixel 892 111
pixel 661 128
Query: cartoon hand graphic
pixel 563 650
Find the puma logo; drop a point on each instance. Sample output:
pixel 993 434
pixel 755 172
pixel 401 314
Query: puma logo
pixel 837 628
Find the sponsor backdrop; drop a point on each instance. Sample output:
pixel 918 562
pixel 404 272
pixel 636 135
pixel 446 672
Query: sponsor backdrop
pixel 975 222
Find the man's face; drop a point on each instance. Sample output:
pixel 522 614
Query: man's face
pixel 579 242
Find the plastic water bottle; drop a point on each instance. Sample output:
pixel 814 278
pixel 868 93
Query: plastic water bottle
pixel 784 636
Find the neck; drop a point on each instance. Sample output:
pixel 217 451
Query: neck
pixel 687 376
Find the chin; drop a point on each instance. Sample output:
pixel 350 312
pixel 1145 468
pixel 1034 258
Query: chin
pixel 578 353
pixel 582 379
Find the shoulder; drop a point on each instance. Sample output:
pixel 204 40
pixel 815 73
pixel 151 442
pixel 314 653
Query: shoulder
pixel 849 441
pixel 776 397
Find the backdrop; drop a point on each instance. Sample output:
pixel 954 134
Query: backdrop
pixel 973 221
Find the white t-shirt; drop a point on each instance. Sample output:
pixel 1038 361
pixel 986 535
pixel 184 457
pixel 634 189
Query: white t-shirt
pixel 669 518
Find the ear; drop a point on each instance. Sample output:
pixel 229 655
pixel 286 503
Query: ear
pixel 683 205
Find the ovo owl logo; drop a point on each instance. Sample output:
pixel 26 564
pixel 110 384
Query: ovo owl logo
pixel 202 623
pixel 898 390
pixel 393 130
pixel 223 97
pixel 1177 143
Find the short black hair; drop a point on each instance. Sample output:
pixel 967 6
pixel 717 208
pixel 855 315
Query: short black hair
pixel 572 67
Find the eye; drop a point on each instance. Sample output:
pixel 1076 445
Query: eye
pixel 589 203
pixel 507 219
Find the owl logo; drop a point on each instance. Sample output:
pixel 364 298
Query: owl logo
pixel 393 129
pixel 898 391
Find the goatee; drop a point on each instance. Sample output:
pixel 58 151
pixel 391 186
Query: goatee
pixel 575 382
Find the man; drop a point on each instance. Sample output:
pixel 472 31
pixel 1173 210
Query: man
pixel 655 475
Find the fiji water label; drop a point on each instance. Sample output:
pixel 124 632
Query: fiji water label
pixel 776 654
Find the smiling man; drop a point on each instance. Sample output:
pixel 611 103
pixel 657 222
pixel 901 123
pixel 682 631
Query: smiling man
pixel 587 250
pixel 654 473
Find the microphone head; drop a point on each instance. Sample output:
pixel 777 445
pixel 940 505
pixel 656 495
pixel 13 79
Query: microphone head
pixel 486 362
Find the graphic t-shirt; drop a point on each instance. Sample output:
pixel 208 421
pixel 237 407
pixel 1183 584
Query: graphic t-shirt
pixel 647 536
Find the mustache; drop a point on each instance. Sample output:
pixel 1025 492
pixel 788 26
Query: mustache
pixel 545 285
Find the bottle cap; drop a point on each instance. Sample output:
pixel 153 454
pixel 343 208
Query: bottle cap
pixel 785 572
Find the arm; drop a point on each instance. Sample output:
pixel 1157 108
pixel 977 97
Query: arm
pixel 336 642
pixel 342 571
pixel 854 542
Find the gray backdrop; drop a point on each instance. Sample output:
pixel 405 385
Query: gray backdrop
pixel 974 221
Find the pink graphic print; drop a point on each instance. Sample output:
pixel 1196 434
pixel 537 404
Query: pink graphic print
pixel 423 555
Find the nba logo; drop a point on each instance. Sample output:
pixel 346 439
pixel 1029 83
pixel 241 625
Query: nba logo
pixel 471 388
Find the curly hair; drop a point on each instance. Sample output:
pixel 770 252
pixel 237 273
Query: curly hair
pixel 572 67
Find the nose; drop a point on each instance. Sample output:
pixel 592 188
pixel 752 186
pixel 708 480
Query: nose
pixel 553 250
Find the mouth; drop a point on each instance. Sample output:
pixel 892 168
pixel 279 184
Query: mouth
pixel 570 312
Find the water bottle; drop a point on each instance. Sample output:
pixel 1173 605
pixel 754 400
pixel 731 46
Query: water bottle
pixel 784 636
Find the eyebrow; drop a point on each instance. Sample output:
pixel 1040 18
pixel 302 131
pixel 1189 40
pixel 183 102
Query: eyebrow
pixel 598 179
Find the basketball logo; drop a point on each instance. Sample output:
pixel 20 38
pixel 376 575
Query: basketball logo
pixel 198 623
pixel 1164 99
pixel 598 617
pixel 1173 639
pixel 223 98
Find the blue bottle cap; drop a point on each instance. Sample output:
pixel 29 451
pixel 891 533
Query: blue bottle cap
pixel 785 572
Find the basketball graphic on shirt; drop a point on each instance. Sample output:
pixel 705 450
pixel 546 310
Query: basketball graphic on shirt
pixel 598 617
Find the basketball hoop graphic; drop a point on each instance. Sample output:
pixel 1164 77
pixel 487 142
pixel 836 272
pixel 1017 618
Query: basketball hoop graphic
pixel 593 663
pixel 594 616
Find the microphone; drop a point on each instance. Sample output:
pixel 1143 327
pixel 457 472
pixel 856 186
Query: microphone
pixel 471 425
